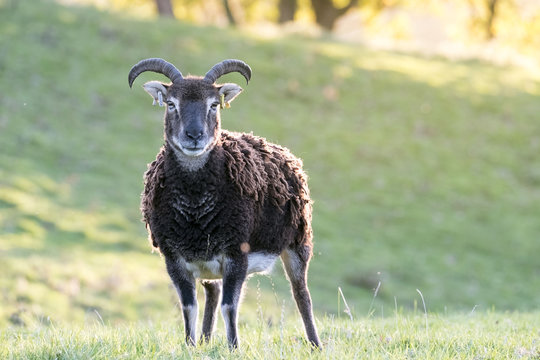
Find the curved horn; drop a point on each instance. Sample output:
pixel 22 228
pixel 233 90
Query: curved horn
pixel 156 65
pixel 227 66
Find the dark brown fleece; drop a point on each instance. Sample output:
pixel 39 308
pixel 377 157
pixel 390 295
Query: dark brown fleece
pixel 248 191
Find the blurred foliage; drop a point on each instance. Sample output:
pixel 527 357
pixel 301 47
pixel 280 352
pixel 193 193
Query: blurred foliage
pixel 515 22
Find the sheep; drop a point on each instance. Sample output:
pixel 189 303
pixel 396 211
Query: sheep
pixel 219 205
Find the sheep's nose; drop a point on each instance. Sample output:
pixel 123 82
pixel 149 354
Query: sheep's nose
pixel 194 135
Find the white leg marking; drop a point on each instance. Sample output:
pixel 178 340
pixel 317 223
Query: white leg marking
pixel 191 312
pixel 230 321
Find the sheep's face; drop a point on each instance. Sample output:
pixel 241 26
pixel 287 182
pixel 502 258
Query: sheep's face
pixel 192 118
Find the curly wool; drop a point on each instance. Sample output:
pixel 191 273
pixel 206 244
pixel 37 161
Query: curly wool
pixel 249 190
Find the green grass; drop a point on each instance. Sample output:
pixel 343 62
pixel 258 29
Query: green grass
pixel 425 172
pixel 474 336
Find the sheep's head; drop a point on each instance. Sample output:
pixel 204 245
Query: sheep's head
pixel 192 118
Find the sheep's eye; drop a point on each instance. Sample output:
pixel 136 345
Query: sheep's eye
pixel 214 106
pixel 170 105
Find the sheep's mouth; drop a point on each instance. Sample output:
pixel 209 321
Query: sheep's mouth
pixel 193 149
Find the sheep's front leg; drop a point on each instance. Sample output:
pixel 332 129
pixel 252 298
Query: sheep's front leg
pixel 184 283
pixel 234 274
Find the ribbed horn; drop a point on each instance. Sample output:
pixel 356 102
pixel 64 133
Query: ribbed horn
pixel 227 66
pixel 156 65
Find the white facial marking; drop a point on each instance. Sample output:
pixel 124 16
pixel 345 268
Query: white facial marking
pixel 192 153
pixel 188 162
pixel 209 102
pixel 175 102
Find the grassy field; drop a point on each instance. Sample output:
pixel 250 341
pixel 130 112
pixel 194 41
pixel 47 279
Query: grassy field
pixel 474 336
pixel 425 175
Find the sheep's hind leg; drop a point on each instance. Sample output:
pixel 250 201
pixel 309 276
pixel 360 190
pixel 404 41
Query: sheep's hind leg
pixel 296 269
pixel 212 290
pixel 185 287
pixel 234 274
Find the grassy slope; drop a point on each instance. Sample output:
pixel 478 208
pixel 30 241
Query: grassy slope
pixel 478 336
pixel 425 172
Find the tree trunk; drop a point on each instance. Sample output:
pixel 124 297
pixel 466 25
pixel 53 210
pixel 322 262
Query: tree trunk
pixel 287 9
pixel 164 8
pixel 229 13
pixel 492 14
pixel 326 14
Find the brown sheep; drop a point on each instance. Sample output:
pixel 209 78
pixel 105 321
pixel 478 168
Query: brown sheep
pixel 222 205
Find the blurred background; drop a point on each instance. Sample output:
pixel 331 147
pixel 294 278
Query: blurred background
pixel 418 123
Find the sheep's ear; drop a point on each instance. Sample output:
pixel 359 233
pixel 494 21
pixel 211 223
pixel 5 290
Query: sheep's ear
pixel 157 90
pixel 228 92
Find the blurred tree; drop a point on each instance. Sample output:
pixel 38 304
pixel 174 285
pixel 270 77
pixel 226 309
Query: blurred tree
pixel 287 9
pixel 484 16
pixel 326 13
pixel 229 13
pixel 492 13
pixel 164 8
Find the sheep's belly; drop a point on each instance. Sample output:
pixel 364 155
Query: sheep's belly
pixel 260 263
pixel 213 269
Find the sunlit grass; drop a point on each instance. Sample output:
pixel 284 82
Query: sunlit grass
pixel 474 336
